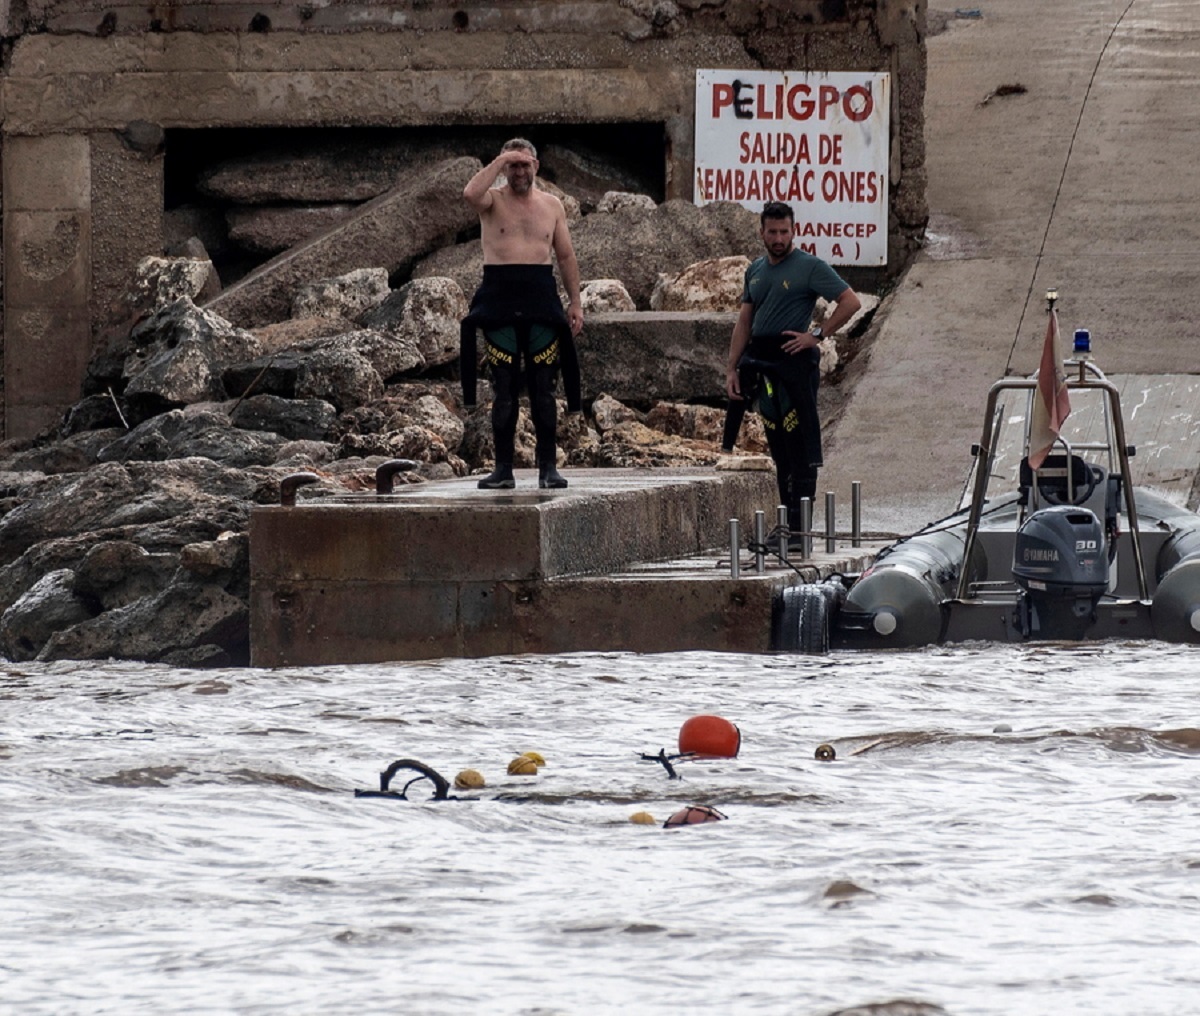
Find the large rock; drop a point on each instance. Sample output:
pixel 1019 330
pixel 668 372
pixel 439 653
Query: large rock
pixel 301 332
pixel 93 412
pixel 705 424
pixel 116 496
pixel 183 616
pixel 111 566
pixel 158 282
pixel 424 212
pixel 616 201
pixel 345 370
pixel 636 246
pixel 340 375
pixel 711 286
pixel 291 419
pixel 70 454
pixel 330 171
pixel 391 354
pixel 114 573
pixel 346 296
pixel 181 352
pixel 192 433
pixel 428 407
pixel 587 174
pixel 274 228
pixel 604 296
pixel 425 314
pixel 138 561
pixel 462 262
pixel 412 422
pixel 51 605
pixel 649 357
pixel 633 445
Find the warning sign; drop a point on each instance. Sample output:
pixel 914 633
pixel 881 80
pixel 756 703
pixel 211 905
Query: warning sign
pixel 816 140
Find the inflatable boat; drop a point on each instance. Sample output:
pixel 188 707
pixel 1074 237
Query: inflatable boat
pixel 1074 552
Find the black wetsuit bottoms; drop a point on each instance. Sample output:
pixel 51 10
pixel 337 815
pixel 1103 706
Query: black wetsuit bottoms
pixel 523 354
pixel 786 385
pixel 526 336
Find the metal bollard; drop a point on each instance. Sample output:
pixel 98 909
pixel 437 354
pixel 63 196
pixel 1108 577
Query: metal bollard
pixel 781 522
pixel 760 537
pixel 856 513
pixel 830 522
pixel 806 528
pixel 289 485
pixel 735 549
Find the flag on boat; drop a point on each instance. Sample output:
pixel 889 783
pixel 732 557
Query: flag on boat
pixel 1051 401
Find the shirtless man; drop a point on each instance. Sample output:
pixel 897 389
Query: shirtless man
pixel 517 307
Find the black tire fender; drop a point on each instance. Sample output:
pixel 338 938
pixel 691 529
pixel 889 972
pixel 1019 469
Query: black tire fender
pixel 803 619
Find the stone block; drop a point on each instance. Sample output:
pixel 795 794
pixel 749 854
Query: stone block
pixel 371 97
pixel 383 542
pixel 391 231
pixel 314 624
pixel 42 55
pixel 126 214
pixel 451 570
pixel 45 352
pixel 654 614
pixel 173 52
pixel 50 173
pixel 654 356
pixel 47 258
pixel 22 420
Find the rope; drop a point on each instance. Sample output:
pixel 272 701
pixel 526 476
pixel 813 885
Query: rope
pixel 944 524
pixel 1037 263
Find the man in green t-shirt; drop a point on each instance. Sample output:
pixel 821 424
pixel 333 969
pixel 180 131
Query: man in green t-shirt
pixel 774 351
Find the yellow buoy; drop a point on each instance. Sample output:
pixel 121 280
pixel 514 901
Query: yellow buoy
pixel 535 756
pixel 469 779
pixel 642 818
pixel 522 765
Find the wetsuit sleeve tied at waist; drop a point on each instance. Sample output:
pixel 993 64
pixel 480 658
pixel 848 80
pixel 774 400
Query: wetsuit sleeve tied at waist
pixel 512 296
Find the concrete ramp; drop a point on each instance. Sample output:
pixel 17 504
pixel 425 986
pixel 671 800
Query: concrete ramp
pixel 1060 142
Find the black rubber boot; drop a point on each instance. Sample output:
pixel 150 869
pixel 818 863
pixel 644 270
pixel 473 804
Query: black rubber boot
pixel 500 478
pixel 550 477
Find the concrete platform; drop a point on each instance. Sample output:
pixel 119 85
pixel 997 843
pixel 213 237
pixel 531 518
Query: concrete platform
pixel 626 560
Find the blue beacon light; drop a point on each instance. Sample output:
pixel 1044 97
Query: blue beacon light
pixel 1083 344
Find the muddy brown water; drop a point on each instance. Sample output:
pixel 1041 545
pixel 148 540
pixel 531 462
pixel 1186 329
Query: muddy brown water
pixel 1006 829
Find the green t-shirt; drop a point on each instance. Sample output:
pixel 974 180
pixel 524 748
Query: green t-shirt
pixel 785 294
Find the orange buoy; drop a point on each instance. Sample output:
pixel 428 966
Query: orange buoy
pixel 709 737
pixel 693 815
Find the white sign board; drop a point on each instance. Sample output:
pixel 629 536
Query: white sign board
pixel 816 140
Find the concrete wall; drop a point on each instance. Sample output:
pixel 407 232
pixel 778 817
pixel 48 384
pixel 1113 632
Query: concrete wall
pixel 82 192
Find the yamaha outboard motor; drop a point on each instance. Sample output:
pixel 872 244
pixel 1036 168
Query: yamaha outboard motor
pixel 1060 561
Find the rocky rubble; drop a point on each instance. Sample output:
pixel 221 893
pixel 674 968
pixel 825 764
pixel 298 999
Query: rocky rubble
pixel 123 533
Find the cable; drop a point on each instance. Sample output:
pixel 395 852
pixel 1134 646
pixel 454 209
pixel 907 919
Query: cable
pixel 1062 179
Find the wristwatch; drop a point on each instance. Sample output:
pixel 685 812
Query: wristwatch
pixel 816 333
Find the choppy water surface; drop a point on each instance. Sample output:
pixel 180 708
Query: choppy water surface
pixel 1006 830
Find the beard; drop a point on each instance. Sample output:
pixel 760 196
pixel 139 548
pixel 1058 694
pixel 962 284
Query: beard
pixel 521 184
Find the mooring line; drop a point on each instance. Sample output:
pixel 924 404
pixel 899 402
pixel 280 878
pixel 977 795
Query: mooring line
pixel 1062 179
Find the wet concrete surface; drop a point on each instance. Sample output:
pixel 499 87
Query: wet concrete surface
pixel 621 560
pixel 1081 182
